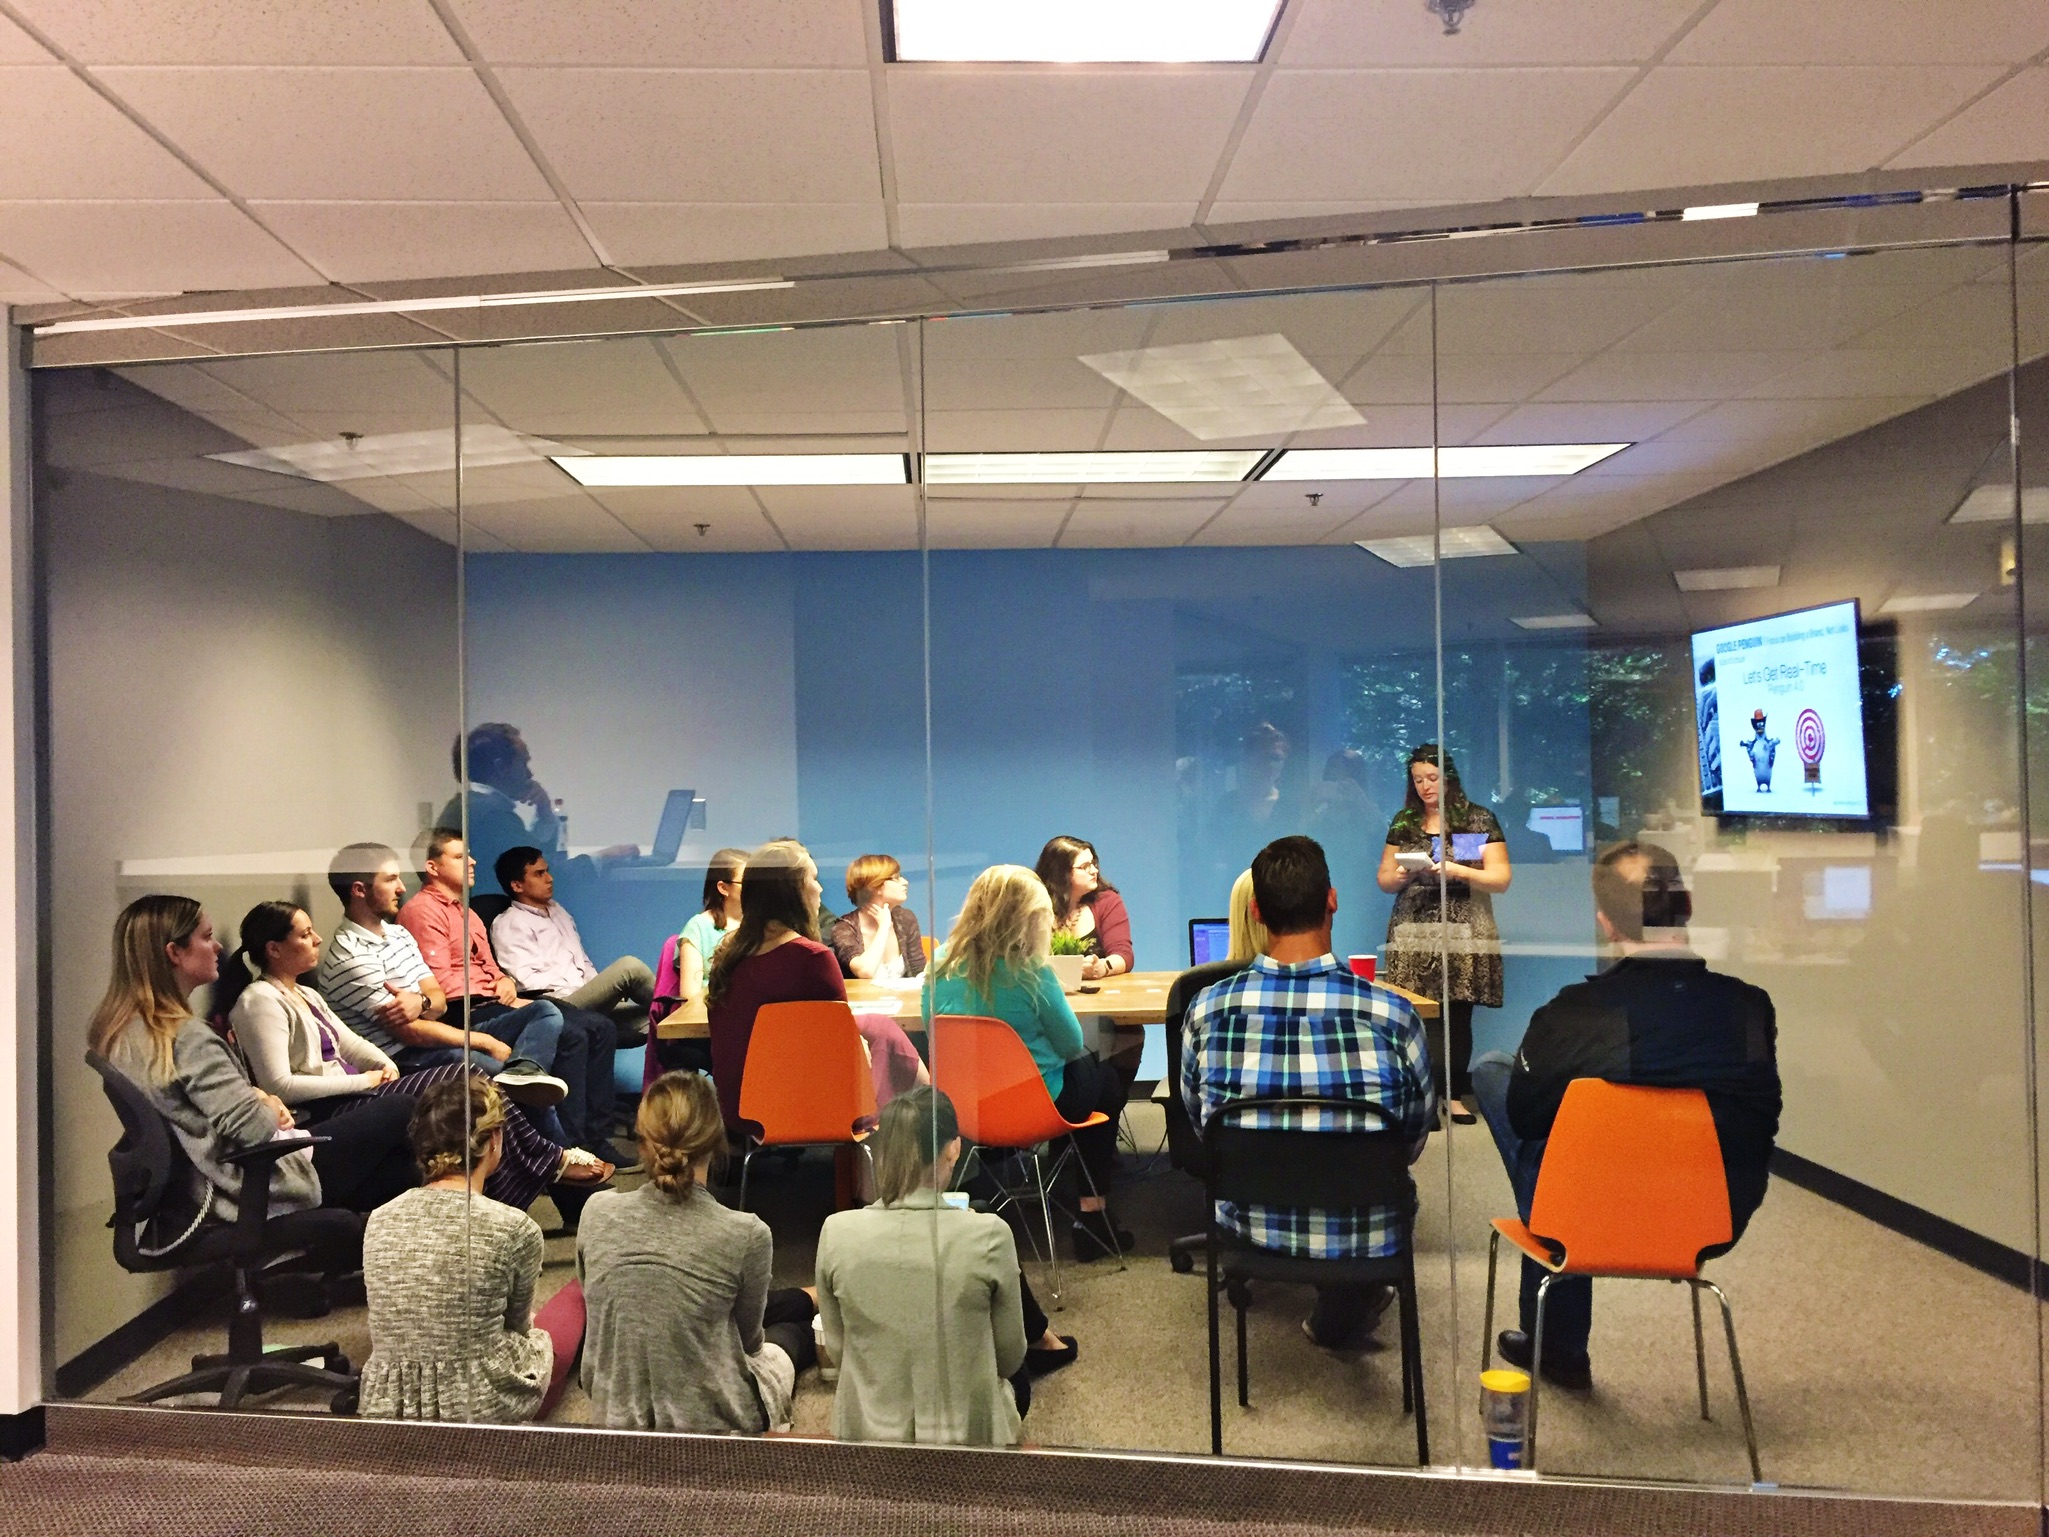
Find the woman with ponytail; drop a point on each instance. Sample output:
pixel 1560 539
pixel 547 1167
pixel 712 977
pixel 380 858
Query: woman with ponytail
pixel 683 1331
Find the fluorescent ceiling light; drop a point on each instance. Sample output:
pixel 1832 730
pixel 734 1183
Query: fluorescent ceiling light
pixel 1531 460
pixel 738 470
pixel 1083 31
pixel 1247 386
pixel 1185 465
pixel 1726 578
pixel 412 306
pixel 1927 602
pixel 1453 543
pixel 396 453
pixel 1554 622
pixel 1721 211
pixel 1994 504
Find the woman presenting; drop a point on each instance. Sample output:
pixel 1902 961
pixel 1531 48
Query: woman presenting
pixel 1473 870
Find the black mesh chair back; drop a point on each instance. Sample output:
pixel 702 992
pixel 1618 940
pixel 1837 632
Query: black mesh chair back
pixel 151 1172
pixel 1184 1142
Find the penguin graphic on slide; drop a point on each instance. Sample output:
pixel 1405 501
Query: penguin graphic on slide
pixel 1763 750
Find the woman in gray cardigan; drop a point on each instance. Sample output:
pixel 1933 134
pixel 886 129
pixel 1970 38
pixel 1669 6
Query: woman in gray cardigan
pixel 682 1331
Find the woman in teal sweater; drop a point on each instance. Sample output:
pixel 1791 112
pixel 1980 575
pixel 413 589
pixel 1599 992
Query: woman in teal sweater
pixel 994 964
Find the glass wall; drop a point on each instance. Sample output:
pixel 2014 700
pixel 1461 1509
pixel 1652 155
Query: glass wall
pixel 1022 636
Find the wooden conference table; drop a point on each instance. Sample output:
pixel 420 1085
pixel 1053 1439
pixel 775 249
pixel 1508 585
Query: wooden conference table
pixel 1133 998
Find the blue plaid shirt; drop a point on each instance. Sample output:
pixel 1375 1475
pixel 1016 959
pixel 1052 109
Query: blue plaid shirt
pixel 1313 1028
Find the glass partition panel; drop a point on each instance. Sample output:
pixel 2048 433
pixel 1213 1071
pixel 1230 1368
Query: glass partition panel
pixel 1763 642
pixel 695 780
pixel 1149 664
pixel 249 656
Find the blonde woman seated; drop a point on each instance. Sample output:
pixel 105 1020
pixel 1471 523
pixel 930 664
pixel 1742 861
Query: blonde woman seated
pixel 994 964
pixel 450 1273
pixel 683 1331
pixel 923 1304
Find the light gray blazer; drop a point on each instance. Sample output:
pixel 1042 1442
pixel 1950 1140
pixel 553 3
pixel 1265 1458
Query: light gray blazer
pixel 921 1303
pixel 279 1036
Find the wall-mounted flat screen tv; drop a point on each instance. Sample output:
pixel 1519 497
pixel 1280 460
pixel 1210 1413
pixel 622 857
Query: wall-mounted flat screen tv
pixel 1779 709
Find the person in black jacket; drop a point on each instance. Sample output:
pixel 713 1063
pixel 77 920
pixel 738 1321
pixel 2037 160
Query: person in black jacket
pixel 1658 1017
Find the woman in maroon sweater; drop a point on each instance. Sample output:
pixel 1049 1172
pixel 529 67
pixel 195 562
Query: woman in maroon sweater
pixel 1088 907
pixel 773 957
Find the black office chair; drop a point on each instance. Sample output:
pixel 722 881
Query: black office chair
pixel 1184 1142
pixel 487 905
pixel 151 1174
pixel 1332 1170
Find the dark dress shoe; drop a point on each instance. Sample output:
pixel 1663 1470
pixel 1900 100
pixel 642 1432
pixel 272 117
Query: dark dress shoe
pixel 1039 1361
pixel 1097 1236
pixel 1514 1346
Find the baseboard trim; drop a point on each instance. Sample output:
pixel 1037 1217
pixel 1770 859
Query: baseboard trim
pixel 1915 1222
pixel 21 1434
pixel 192 1298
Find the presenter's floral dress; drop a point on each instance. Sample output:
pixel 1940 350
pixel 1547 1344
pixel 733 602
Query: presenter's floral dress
pixel 1416 939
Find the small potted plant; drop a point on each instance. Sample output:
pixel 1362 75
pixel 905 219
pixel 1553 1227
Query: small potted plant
pixel 1069 956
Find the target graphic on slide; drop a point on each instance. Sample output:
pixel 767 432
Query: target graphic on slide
pixel 1810 741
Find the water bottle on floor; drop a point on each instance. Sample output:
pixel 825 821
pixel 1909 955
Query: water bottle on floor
pixel 1505 1410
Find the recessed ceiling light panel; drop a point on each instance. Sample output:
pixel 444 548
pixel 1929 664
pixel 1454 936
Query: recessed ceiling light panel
pixel 1554 622
pixel 1178 466
pixel 1994 504
pixel 1927 602
pixel 1726 578
pixel 1462 463
pixel 1453 543
pixel 1246 386
pixel 738 469
pixel 396 453
pixel 1720 211
pixel 1080 31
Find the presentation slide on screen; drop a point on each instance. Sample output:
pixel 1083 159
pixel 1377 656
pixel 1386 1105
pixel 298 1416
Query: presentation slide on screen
pixel 1780 715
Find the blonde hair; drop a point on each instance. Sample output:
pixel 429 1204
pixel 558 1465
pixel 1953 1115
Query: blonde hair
pixel 1007 917
pixel 1248 934
pixel 446 1110
pixel 868 872
pixel 143 985
pixel 678 1124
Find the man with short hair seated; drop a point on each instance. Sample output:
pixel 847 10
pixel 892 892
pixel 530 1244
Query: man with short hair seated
pixel 452 939
pixel 1656 1017
pixel 1299 1021
pixel 537 944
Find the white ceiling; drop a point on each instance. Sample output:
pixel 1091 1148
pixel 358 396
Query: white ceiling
pixel 228 144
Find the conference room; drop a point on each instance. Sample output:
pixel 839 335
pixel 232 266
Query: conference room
pixel 1173 560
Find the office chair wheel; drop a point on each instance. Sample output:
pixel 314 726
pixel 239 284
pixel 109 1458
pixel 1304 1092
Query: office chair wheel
pixel 344 1400
pixel 338 1364
pixel 1182 1261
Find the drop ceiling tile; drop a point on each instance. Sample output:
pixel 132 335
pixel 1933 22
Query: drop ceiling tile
pixel 17 47
pixel 997 523
pixel 844 517
pixel 236 32
pixel 1262 210
pixel 1620 375
pixel 1435 135
pixel 1819 421
pixel 663 234
pixel 960 492
pixel 1062 334
pixel 1866 32
pixel 372 242
pixel 2006 125
pixel 892 426
pixel 1019 384
pixel 567 391
pixel 1621 421
pixel 1242 526
pixel 793 136
pixel 1693 126
pixel 724 508
pixel 380 134
pixel 952 224
pixel 570 525
pixel 740 530
pixel 1335 329
pixel 1338 499
pixel 1104 523
pixel 1541 315
pixel 703 34
pixel 1021 431
pixel 59 139
pixel 1039 136
pixel 17 287
pixel 843 368
pixel 94 249
pixel 1335 33
pixel 1892 372
pixel 1507 376
pixel 1782 317
pixel 410 386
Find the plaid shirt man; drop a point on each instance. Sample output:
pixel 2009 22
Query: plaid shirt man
pixel 1313 1028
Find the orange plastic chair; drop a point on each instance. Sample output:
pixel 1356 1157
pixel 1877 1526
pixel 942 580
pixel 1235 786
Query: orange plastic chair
pixel 1631 1188
pixel 926 941
pixel 985 1068
pixel 806 1081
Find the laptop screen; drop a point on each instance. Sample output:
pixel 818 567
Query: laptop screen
pixel 1209 939
pixel 675 822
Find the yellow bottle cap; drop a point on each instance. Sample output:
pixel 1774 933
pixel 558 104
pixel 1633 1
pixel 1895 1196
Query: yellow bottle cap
pixel 1503 1380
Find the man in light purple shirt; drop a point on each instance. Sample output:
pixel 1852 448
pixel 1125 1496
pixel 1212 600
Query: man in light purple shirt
pixel 536 943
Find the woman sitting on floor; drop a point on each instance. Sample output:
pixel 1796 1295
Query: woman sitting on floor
pixel 684 1332
pixel 994 964
pixel 450 1274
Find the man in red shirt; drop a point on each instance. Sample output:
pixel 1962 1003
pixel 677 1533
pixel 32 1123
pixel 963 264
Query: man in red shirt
pixel 451 936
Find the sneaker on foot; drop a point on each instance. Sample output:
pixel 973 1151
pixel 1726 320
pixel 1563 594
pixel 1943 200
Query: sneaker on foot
pixel 525 1083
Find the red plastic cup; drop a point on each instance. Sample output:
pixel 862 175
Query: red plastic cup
pixel 1363 965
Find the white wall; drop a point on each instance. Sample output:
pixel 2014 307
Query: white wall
pixel 225 680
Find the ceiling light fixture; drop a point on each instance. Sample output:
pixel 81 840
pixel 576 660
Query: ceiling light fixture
pixel 1524 459
pixel 1555 622
pixel 1242 387
pixel 1452 12
pixel 1994 504
pixel 1720 211
pixel 1079 31
pixel 355 457
pixel 410 306
pixel 1452 543
pixel 618 470
pixel 1726 578
pixel 1177 466
pixel 1927 602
